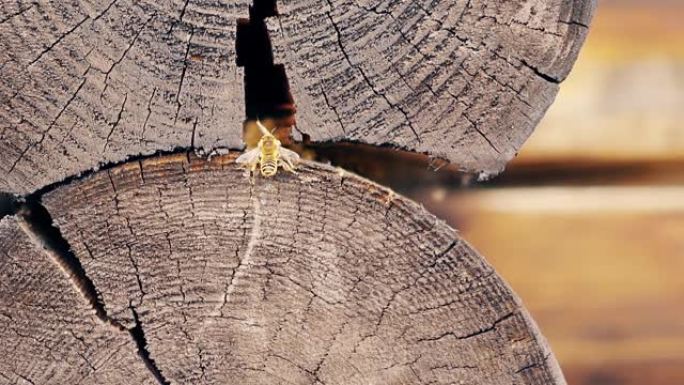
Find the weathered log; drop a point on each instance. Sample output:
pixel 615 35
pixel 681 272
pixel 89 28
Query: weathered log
pixel 177 270
pixel 90 82
pixel 49 334
pixel 464 80
pixel 318 278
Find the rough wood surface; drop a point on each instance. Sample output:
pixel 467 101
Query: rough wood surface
pixel 465 80
pixel 49 332
pixel 319 278
pixel 90 82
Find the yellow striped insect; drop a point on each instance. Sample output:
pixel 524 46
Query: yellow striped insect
pixel 268 155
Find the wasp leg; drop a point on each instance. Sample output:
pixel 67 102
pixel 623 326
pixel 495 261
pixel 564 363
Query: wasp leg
pixel 252 172
pixel 289 163
pixel 287 166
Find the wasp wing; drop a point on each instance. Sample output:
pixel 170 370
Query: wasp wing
pixel 288 159
pixel 289 155
pixel 249 157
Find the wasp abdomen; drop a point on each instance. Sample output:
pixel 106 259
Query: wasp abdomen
pixel 269 161
pixel 269 167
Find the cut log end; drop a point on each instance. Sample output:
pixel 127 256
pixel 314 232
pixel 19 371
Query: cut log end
pixel 466 81
pixel 178 270
pixel 322 277
pixel 90 83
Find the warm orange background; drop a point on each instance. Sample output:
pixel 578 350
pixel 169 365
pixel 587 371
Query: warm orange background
pixel 587 225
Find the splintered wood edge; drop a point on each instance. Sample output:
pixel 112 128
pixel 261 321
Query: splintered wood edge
pixel 341 280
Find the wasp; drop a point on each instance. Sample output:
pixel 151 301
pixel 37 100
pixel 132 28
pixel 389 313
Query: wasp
pixel 268 155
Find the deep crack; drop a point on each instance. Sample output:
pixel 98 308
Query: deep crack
pixel 267 89
pixel 37 223
pixel 35 220
pixel 138 335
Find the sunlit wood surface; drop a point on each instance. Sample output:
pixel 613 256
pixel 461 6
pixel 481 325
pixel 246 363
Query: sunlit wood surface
pixel 624 98
pixel 599 268
pixel 587 224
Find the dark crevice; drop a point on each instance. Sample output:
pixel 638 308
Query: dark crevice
pixel 262 9
pixel 8 204
pixel 388 164
pixel 541 74
pixel 399 169
pixel 267 90
pixel 138 335
pixel 37 222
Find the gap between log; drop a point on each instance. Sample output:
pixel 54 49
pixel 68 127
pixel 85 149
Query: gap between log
pixel 385 165
pixel 267 90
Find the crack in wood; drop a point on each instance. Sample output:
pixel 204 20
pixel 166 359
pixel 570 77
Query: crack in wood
pixel 147 116
pixel 17 13
pixel 36 222
pixel 124 54
pixel 538 72
pixel 475 333
pixel 180 17
pixel 334 109
pixel 54 44
pixel 366 78
pixel 115 123
pixel 179 105
pixel 267 89
pixel 104 11
pixel 138 334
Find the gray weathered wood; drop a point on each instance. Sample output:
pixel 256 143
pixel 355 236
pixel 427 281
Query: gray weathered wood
pixel 464 80
pixel 90 82
pixel 49 332
pixel 319 278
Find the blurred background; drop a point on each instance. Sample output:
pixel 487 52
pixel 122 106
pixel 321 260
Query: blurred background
pixel 587 223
